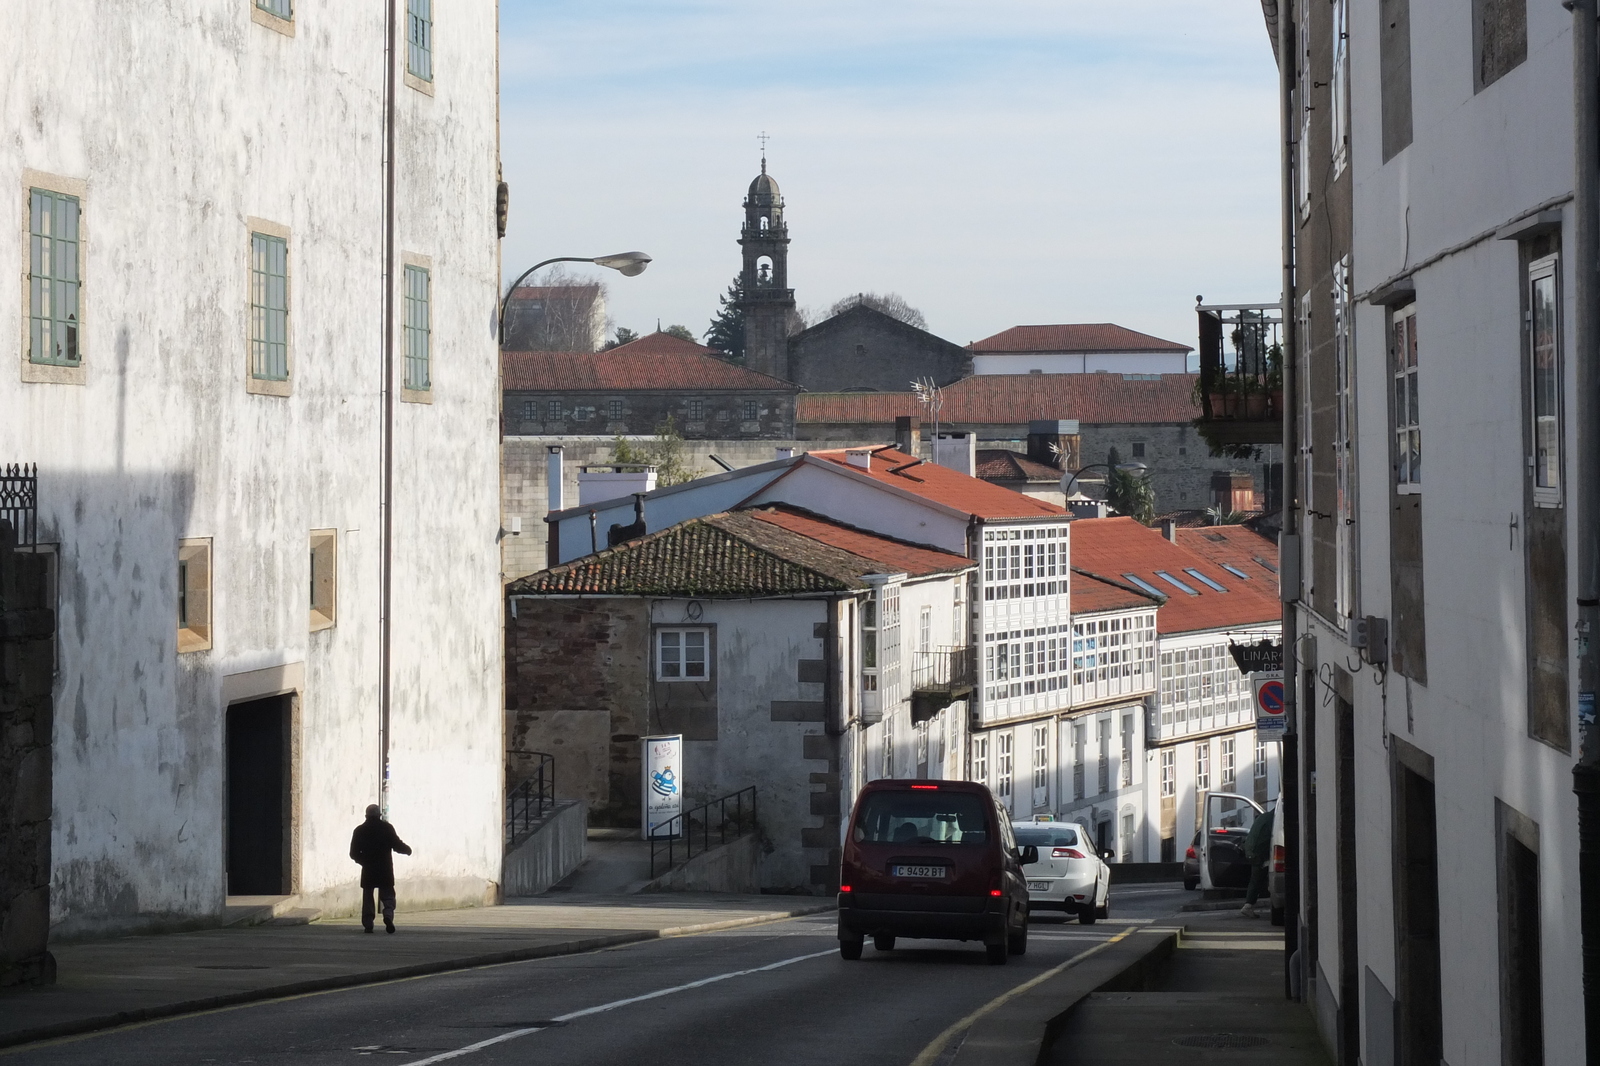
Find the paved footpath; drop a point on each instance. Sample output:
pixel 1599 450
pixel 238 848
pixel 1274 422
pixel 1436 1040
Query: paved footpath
pixel 111 982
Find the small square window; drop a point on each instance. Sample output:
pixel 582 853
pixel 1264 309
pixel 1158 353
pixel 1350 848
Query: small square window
pixel 681 654
pixel 323 577
pixel 553 413
pixel 418 328
pixel 530 410
pixel 194 594
pixel 419 39
pixel 750 411
pixel 614 410
pixel 1138 449
pixel 697 410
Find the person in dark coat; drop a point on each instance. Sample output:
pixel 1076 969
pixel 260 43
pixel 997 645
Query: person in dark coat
pixel 373 845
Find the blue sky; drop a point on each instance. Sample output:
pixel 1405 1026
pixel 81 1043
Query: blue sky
pixel 996 162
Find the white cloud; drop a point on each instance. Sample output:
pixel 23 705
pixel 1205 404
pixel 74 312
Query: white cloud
pixel 996 164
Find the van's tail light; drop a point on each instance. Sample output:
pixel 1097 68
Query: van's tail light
pixel 844 888
pixel 1188 852
pixel 994 892
pixel 1066 853
pixel 1277 858
pixel 995 888
pixel 934 788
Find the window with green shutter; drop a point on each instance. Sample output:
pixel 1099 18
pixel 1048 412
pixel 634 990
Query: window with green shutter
pixel 53 280
pixel 269 307
pixel 419 38
pixel 418 328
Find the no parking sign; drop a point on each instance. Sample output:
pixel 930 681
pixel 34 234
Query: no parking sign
pixel 1269 697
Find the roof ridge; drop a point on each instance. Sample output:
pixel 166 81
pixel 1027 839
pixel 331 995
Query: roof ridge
pixel 779 505
pixel 781 531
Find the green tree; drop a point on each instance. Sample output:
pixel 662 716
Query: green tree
pixel 1130 493
pixel 624 335
pixel 726 332
pixel 666 453
pixel 681 332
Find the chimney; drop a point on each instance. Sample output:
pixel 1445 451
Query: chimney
pixel 785 453
pixel 859 457
pixel 554 480
pixel 907 435
pixel 1055 442
pixel 958 451
pixel 1169 529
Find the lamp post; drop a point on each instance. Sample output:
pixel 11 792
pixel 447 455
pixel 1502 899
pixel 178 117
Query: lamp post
pixel 628 264
pixel 1125 468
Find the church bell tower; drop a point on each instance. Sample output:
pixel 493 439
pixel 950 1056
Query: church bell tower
pixel 765 296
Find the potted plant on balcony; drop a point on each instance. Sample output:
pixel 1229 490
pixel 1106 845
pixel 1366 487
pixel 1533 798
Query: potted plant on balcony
pixel 1252 398
pixel 1220 393
pixel 1275 379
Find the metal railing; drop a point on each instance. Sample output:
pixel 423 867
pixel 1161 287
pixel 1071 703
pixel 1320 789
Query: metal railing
pixel 944 669
pixel 708 825
pixel 19 501
pixel 1246 385
pixel 528 800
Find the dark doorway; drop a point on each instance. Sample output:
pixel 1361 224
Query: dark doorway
pixel 1416 875
pixel 258 796
pixel 1349 940
pixel 1521 984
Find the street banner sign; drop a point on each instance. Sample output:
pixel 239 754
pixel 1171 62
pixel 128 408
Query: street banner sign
pixel 663 782
pixel 1269 697
pixel 1260 657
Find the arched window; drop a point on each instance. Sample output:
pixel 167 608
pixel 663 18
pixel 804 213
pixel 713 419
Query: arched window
pixel 765 223
pixel 764 270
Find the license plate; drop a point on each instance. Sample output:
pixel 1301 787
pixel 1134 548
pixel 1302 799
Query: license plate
pixel 1038 886
pixel 918 871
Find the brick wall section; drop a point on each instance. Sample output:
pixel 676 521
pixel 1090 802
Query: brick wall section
pixel 27 663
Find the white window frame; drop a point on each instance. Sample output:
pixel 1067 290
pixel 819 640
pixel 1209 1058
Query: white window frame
pixel 1005 764
pixel 980 759
pixel 1343 443
pixel 1405 359
pixel 1340 87
pixel 1202 767
pixel 1041 761
pixel 681 634
pixel 1545 494
pixel 1169 773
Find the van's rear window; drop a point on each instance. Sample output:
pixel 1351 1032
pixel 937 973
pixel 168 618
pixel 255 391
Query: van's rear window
pixel 1065 837
pixel 931 817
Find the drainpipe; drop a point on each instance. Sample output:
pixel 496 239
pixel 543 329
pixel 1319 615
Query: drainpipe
pixel 1289 542
pixel 386 492
pixel 1586 306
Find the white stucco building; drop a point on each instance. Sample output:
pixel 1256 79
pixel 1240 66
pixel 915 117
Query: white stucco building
pixel 256 367
pixel 1078 348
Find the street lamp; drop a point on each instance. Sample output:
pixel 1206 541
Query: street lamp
pixel 1126 468
pixel 628 264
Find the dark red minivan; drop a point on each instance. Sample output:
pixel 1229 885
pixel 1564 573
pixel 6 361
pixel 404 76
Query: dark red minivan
pixel 932 859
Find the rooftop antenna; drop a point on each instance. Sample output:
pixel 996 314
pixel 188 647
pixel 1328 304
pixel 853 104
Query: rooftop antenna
pixel 931 397
pixel 763 138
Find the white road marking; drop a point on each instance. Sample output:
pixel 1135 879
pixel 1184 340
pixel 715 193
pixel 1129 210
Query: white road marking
pixel 515 1033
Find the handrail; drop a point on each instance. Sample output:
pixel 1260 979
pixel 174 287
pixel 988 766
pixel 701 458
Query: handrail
pixel 678 833
pixel 527 802
pixel 944 669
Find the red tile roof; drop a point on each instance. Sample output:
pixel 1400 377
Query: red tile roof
pixel 739 554
pixel 1114 547
pixel 1014 398
pixel 939 484
pixel 661 343
pixel 627 369
pixel 1238 547
pixel 897 556
pixel 1076 337
pixel 1002 464
pixel 1092 593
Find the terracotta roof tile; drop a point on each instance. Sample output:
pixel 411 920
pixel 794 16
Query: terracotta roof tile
pixel 1114 547
pixel 739 554
pixel 1092 593
pixel 1002 464
pixel 630 369
pixel 1075 337
pixel 1014 398
pixel 662 343
pixel 939 484
pixel 1237 547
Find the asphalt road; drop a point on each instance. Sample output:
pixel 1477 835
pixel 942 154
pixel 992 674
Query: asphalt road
pixel 775 994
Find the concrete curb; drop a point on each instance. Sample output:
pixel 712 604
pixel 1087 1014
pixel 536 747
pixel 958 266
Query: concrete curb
pixel 20 1037
pixel 1018 1032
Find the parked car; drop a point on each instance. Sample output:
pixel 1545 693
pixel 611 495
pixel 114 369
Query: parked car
pixel 1228 817
pixel 1275 870
pixel 933 859
pixel 1191 863
pixel 1070 875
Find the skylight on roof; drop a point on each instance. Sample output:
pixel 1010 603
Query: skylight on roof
pixel 1175 583
pixel 1235 571
pixel 1142 583
pixel 1198 576
pixel 1270 566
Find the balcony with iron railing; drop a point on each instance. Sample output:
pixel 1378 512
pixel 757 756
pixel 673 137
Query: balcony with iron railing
pixel 940 677
pixel 1240 388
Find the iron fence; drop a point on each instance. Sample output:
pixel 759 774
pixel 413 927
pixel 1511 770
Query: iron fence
pixel 530 798
pixel 726 818
pixel 19 501
pixel 944 669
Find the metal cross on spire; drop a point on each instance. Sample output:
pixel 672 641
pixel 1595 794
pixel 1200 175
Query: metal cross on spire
pixel 763 138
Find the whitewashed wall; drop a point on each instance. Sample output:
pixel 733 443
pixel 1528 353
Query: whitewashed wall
pixel 183 120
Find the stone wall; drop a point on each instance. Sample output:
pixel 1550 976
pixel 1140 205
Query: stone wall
pixel 863 349
pixel 27 663
pixel 698 414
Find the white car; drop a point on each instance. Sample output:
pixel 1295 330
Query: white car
pixel 1069 876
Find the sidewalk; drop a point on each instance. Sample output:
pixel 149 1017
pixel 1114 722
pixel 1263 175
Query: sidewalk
pixel 112 982
pixel 1218 999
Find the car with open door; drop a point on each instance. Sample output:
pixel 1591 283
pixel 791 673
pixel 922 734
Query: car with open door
pixel 933 859
pixel 1275 870
pixel 1070 875
pixel 1227 820
pixel 1191 863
